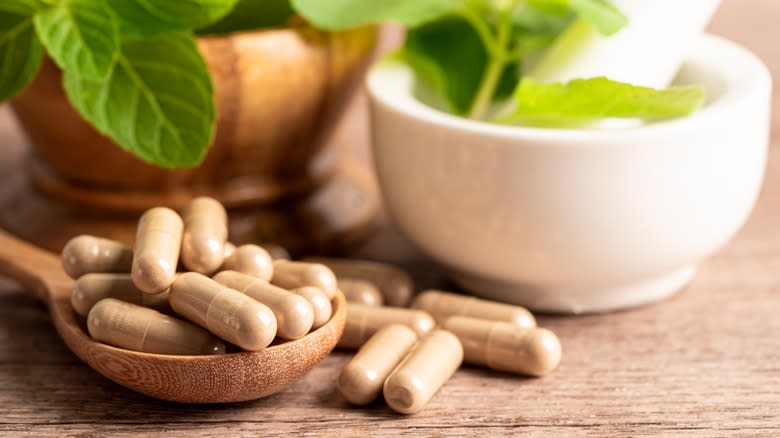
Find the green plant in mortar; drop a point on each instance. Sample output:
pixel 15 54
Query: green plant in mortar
pixel 472 54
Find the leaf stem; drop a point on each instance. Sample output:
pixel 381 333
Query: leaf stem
pixel 481 27
pixel 495 66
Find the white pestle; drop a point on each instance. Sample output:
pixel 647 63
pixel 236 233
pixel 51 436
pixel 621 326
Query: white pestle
pixel 648 51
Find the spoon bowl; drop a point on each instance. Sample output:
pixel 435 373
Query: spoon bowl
pixel 224 378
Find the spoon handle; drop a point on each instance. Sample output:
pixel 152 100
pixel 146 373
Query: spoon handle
pixel 36 269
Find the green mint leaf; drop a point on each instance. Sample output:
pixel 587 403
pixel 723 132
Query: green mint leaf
pixel 587 99
pixel 252 14
pixel 22 7
pixel 154 17
pixel 342 14
pixel 601 14
pixel 156 102
pixel 534 29
pixel 448 56
pixel 605 17
pixel 80 35
pixel 20 53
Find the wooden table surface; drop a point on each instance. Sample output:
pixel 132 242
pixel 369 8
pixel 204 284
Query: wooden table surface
pixel 703 363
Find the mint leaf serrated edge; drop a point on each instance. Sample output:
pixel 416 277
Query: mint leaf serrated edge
pixel 167 124
pixel 81 36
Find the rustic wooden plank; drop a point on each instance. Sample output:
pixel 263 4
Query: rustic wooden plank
pixel 704 363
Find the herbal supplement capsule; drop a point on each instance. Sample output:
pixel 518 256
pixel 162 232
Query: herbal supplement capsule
pixel 291 275
pixel 360 291
pixel 157 244
pixel 423 372
pixel 319 303
pixel 137 328
pixel 205 233
pixel 86 254
pixel 294 314
pixel 442 305
pixel 91 288
pixel 395 285
pixel 225 312
pixel 506 347
pixel 360 382
pixel 363 321
pixel 251 260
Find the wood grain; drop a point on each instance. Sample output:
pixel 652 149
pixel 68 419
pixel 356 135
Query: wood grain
pixel 704 363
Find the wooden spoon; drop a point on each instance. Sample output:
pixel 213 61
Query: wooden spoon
pixel 187 379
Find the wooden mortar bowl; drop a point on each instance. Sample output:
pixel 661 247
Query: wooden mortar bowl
pixel 278 93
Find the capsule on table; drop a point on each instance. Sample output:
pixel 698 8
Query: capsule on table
pixel 363 321
pixel 294 314
pixel 319 303
pixel 395 285
pixel 250 260
pixel 442 305
pixel 89 254
pixel 291 275
pixel 426 368
pixel 360 291
pixel 91 288
pixel 506 347
pixel 205 233
pixel 360 382
pixel 137 328
pixel 157 245
pixel 225 312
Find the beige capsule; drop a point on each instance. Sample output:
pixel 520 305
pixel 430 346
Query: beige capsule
pixel 360 291
pixel 157 244
pixel 506 347
pixel 249 259
pixel 395 285
pixel 205 233
pixel 442 305
pixel 225 312
pixel 294 314
pixel 360 382
pixel 91 288
pixel 363 321
pixel 89 254
pixel 291 275
pixel 320 303
pixel 421 374
pixel 137 328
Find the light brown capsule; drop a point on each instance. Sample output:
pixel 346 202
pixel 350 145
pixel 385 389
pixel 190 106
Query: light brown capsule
pixel 363 321
pixel 360 382
pixel 421 374
pixel 157 245
pixel 250 260
pixel 87 254
pixel 506 347
pixel 395 285
pixel 294 315
pixel 205 233
pixel 225 312
pixel 320 303
pixel 91 288
pixel 291 275
pixel 360 291
pixel 277 252
pixel 442 305
pixel 137 328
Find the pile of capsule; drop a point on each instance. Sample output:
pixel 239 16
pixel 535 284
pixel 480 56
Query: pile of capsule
pixel 408 354
pixel 138 299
